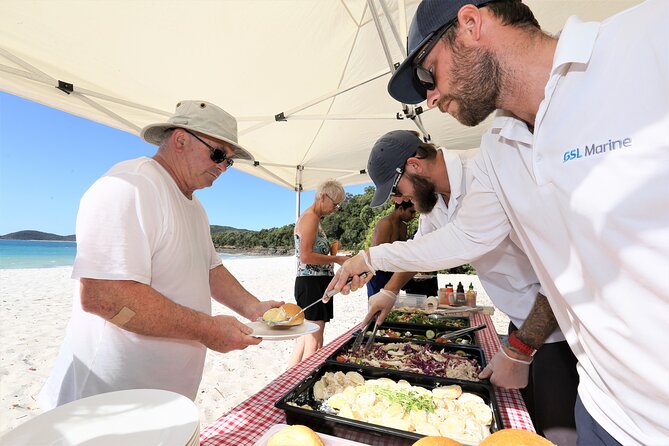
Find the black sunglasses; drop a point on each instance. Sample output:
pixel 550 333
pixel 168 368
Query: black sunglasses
pixel 422 75
pixel 217 155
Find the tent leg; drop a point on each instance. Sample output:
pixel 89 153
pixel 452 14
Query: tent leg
pixel 297 204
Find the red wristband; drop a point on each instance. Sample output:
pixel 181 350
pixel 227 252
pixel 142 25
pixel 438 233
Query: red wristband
pixel 520 345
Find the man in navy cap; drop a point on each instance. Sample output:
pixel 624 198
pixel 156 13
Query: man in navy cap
pixel 576 163
pixel 402 166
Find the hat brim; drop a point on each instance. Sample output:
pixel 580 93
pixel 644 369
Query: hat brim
pixel 382 194
pixel 402 86
pixel 153 134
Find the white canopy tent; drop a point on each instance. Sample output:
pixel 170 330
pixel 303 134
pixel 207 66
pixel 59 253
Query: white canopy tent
pixel 306 78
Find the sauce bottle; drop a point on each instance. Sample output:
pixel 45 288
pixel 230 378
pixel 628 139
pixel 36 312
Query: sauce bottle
pixel 460 298
pixel 471 296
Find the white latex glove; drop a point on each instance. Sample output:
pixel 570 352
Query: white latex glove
pixel 353 267
pixel 507 372
pixel 382 301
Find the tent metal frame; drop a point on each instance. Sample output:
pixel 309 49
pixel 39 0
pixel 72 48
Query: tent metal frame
pixel 93 99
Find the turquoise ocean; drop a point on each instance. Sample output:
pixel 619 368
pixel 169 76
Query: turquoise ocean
pixel 16 254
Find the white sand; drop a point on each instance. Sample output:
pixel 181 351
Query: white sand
pixel 36 305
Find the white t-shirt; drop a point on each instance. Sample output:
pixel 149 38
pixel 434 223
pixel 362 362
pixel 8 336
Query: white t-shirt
pixel 588 196
pixel 135 224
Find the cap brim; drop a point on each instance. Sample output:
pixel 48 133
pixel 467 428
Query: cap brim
pixel 402 85
pixel 153 134
pixel 381 194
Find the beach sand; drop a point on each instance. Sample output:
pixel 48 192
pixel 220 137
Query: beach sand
pixel 36 306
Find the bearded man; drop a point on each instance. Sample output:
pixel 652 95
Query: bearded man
pixel 436 180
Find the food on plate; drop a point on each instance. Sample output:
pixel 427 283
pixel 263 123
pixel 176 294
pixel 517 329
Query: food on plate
pixel 417 358
pixel 444 411
pixel 430 335
pixel 295 435
pixel 417 316
pixel 516 437
pixel 436 441
pixel 283 313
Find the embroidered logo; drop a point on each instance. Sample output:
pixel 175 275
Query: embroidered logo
pixel 595 149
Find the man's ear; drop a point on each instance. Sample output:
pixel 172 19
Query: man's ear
pixel 469 22
pixel 415 166
pixel 178 138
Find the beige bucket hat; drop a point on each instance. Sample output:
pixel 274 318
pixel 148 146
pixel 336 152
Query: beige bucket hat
pixel 202 117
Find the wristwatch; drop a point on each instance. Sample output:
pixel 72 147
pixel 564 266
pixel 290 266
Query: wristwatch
pixel 520 345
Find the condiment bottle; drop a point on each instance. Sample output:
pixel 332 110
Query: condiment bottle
pixel 471 296
pixel 450 297
pixel 460 298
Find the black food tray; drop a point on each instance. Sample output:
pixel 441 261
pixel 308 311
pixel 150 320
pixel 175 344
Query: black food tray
pixel 443 323
pixel 471 352
pixel 469 337
pixel 360 431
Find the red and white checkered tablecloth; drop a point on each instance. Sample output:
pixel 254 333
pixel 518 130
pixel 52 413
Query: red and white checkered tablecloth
pixel 247 422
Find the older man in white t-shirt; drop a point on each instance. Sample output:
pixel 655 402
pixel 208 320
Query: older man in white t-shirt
pixel 147 268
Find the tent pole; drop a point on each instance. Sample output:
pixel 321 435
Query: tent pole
pixel 298 190
pixel 297 204
pixel 379 30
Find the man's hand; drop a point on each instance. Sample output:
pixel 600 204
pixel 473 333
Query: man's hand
pixel 508 369
pixel 353 267
pixel 260 307
pixel 382 301
pixel 225 333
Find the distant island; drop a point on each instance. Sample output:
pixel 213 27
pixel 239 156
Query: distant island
pixel 47 236
pixel 37 235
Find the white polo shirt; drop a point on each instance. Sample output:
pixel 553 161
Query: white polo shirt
pixel 505 272
pixel 588 196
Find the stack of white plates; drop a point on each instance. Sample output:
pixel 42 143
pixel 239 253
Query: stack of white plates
pixel 127 417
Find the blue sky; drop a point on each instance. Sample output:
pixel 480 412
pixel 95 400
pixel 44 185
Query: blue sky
pixel 48 158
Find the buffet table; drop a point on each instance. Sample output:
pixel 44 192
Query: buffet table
pixel 247 422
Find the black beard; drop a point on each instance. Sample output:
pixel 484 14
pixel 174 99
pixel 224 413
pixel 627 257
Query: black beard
pixel 424 195
pixel 477 80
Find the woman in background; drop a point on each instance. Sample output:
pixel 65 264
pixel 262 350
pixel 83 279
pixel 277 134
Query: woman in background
pixel 315 266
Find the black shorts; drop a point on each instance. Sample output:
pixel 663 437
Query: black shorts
pixel 309 289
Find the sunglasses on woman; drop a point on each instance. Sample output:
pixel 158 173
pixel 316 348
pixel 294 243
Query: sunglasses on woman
pixel 217 155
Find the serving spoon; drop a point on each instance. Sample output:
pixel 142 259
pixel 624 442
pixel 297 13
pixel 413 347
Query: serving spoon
pixel 328 295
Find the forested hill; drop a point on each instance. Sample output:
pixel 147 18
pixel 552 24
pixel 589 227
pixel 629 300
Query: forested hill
pixel 352 225
pixel 215 229
pixel 37 235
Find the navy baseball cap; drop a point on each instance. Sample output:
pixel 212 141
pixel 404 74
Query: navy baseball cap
pixel 431 16
pixel 390 152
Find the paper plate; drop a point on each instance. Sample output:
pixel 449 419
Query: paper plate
pixel 328 440
pixel 141 416
pixel 262 330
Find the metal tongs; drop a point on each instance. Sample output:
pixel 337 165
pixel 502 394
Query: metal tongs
pixel 358 340
pixel 456 333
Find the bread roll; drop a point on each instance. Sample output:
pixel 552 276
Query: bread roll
pixel 283 313
pixel 436 441
pixel 516 437
pixel 295 435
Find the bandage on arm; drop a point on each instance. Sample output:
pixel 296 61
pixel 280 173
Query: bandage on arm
pixel 122 317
